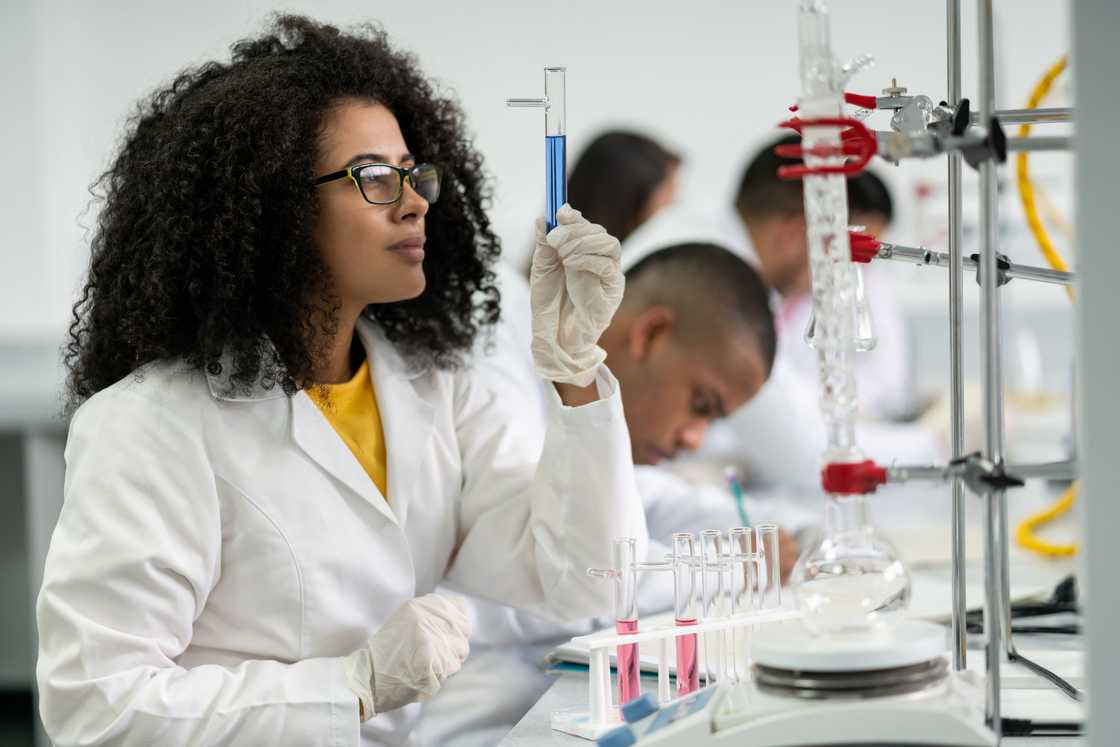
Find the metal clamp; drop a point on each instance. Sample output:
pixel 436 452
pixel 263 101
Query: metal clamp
pixel 856 143
pixel 983 476
pixel 1003 269
pixel 949 130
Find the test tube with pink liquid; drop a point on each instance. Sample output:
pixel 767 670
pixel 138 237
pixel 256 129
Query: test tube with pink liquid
pixel 686 592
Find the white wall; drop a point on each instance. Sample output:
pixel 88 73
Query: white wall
pixel 25 260
pixel 709 77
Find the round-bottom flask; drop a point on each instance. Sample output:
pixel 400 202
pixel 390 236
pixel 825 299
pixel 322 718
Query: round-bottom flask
pixel 852 579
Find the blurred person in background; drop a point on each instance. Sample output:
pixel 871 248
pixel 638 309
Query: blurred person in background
pixel 621 180
pixel 777 438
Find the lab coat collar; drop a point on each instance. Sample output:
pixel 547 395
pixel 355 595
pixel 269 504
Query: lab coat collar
pixel 384 353
pixel 222 386
pixel 406 417
pixel 406 420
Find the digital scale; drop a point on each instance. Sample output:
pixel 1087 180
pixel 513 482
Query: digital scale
pixel 891 687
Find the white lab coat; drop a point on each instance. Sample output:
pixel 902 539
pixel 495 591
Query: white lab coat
pixel 218 556
pixel 508 644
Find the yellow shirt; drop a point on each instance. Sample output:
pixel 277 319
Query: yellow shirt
pixel 351 408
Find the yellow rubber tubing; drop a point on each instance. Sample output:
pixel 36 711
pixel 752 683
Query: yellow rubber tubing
pixel 1024 533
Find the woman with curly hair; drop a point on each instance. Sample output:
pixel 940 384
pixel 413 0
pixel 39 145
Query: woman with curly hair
pixel 277 451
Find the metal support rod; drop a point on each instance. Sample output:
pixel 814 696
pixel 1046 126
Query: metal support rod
pixel 1063 470
pixel 1031 116
pixel 920 256
pixel 1001 506
pixel 1040 143
pixel 993 390
pixel 1005 578
pixel 1041 274
pixel 993 650
pixel 924 472
pixel 956 342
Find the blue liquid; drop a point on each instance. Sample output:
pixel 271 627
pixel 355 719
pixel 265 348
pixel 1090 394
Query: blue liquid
pixel 556 176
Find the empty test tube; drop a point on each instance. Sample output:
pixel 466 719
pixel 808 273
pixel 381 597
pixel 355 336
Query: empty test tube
pixel 770 567
pixel 744 593
pixel 715 603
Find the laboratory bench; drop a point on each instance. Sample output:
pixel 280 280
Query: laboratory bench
pixel 570 689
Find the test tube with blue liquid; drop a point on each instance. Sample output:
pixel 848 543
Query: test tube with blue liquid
pixel 555 140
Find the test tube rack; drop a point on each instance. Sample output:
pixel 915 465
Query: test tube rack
pixel 602 715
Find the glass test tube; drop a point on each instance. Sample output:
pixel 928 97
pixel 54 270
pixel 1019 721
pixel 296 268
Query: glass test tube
pixel 626 618
pixel 743 576
pixel 743 593
pixel 687 606
pixel 770 567
pixel 663 645
pixel 715 601
pixel 555 138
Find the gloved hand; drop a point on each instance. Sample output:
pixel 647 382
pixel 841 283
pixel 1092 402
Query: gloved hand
pixel 575 285
pixel 421 644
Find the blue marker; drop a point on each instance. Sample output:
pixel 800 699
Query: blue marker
pixel 555 140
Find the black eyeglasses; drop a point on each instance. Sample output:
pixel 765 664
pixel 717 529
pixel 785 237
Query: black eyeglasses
pixel 382 184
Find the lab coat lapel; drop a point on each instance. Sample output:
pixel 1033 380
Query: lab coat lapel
pixel 317 437
pixel 311 431
pixel 405 416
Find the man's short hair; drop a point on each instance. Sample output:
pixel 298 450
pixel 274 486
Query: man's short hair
pixel 707 286
pixel 868 194
pixel 762 194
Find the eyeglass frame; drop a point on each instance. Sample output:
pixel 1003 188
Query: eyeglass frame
pixel 402 174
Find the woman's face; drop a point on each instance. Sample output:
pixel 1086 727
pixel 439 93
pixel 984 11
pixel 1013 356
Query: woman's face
pixel 374 253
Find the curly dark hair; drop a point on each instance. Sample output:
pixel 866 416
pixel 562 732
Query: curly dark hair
pixel 203 243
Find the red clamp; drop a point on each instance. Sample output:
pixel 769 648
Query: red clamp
pixel 861 100
pixel 856 142
pixel 852 478
pixel 865 247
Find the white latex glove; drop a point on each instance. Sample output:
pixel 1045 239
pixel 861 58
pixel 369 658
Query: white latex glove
pixel 575 286
pixel 421 644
